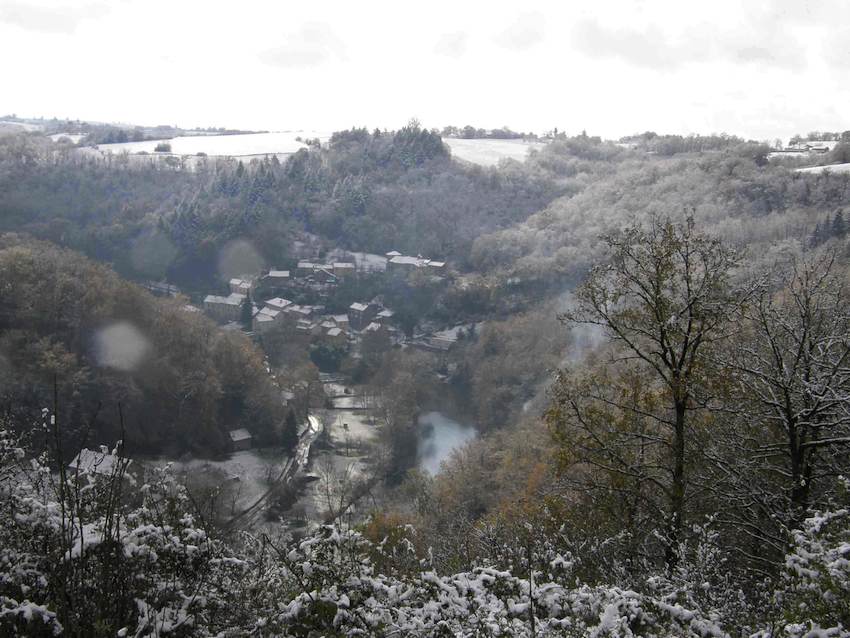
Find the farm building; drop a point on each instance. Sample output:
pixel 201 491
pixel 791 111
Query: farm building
pixel 94 462
pixel 241 439
pixel 224 308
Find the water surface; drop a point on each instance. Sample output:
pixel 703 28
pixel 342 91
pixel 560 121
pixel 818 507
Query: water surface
pixel 439 436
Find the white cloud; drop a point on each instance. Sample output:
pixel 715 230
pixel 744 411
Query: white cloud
pixel 452 45
pixel 312 45
pixel 525 32
pixel 763 69
pixel 49 19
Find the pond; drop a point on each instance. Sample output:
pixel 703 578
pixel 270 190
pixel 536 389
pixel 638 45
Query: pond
pixel 439 436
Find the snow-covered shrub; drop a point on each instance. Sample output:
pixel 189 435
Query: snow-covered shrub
pixel 75 559
pixel 339 593
pixel 706 581
pixel 816 596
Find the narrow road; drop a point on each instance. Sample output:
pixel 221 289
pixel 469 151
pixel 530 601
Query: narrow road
pixel 288 472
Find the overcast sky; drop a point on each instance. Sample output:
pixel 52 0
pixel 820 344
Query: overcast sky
pixel 756 68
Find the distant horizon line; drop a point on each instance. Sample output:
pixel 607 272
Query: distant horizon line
pixel 330 130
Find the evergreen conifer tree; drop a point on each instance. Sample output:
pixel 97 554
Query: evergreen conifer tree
pixel 839 228
pixel 289 436
pixel 247 316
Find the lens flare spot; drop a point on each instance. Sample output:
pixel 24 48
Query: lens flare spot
pixel 121 346
pixel 152 253
pixel 238 258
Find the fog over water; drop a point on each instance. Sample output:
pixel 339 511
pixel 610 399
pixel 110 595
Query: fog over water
pixel 438 437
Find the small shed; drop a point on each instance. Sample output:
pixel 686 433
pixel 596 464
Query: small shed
pixel 101 462
pixel 241 439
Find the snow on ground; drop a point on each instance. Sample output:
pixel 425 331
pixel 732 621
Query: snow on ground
pixel 74 137
pixel 347 403
pixel 333 389
pixel 247 472
pixel 369 262
pixel 351 425
pixel 332 472
pixel 490 152
pixel 832 168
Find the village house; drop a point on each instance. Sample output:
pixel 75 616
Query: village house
pixel 265 318
pixel 305 267
pixel 304 327
pixel 224 308
pixel 360 315
pixel 240 439
pixel 241 285
pixel 335 335
pixel 341 322
pixel 277 277
pixel 343 268
pixel 407 264
pixel 325 274
pixel 101 462
pixel 162 289
pixel 385 316
pixel 277 303
pixel 299 312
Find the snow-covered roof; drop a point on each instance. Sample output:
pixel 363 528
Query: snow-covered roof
pixel 334 332
pixel 393 253
pixel 404 260
pixel 94 462
pixel 359 307
pixel 233 299
pixel 240 435
pixel 278 303
pixel 340 318
pixel 279 274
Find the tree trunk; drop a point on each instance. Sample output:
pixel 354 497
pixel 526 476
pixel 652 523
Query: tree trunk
pixel 677 492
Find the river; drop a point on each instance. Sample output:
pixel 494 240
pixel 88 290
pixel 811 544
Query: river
pixel 439 436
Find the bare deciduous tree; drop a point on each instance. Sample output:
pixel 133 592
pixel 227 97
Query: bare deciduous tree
pixel 664 299
pixel 788 429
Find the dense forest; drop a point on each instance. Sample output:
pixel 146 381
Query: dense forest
pixel 654 352
pixel 365 191
pixel 119 363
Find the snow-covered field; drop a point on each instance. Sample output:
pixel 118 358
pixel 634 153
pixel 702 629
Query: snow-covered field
pixel 246 473
pixel 223 145
pixel 351 426
pixel 335 472
pixel 365 261
pixel 832 168
pixel 490 152
pixel 485 152
pixel 74 137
